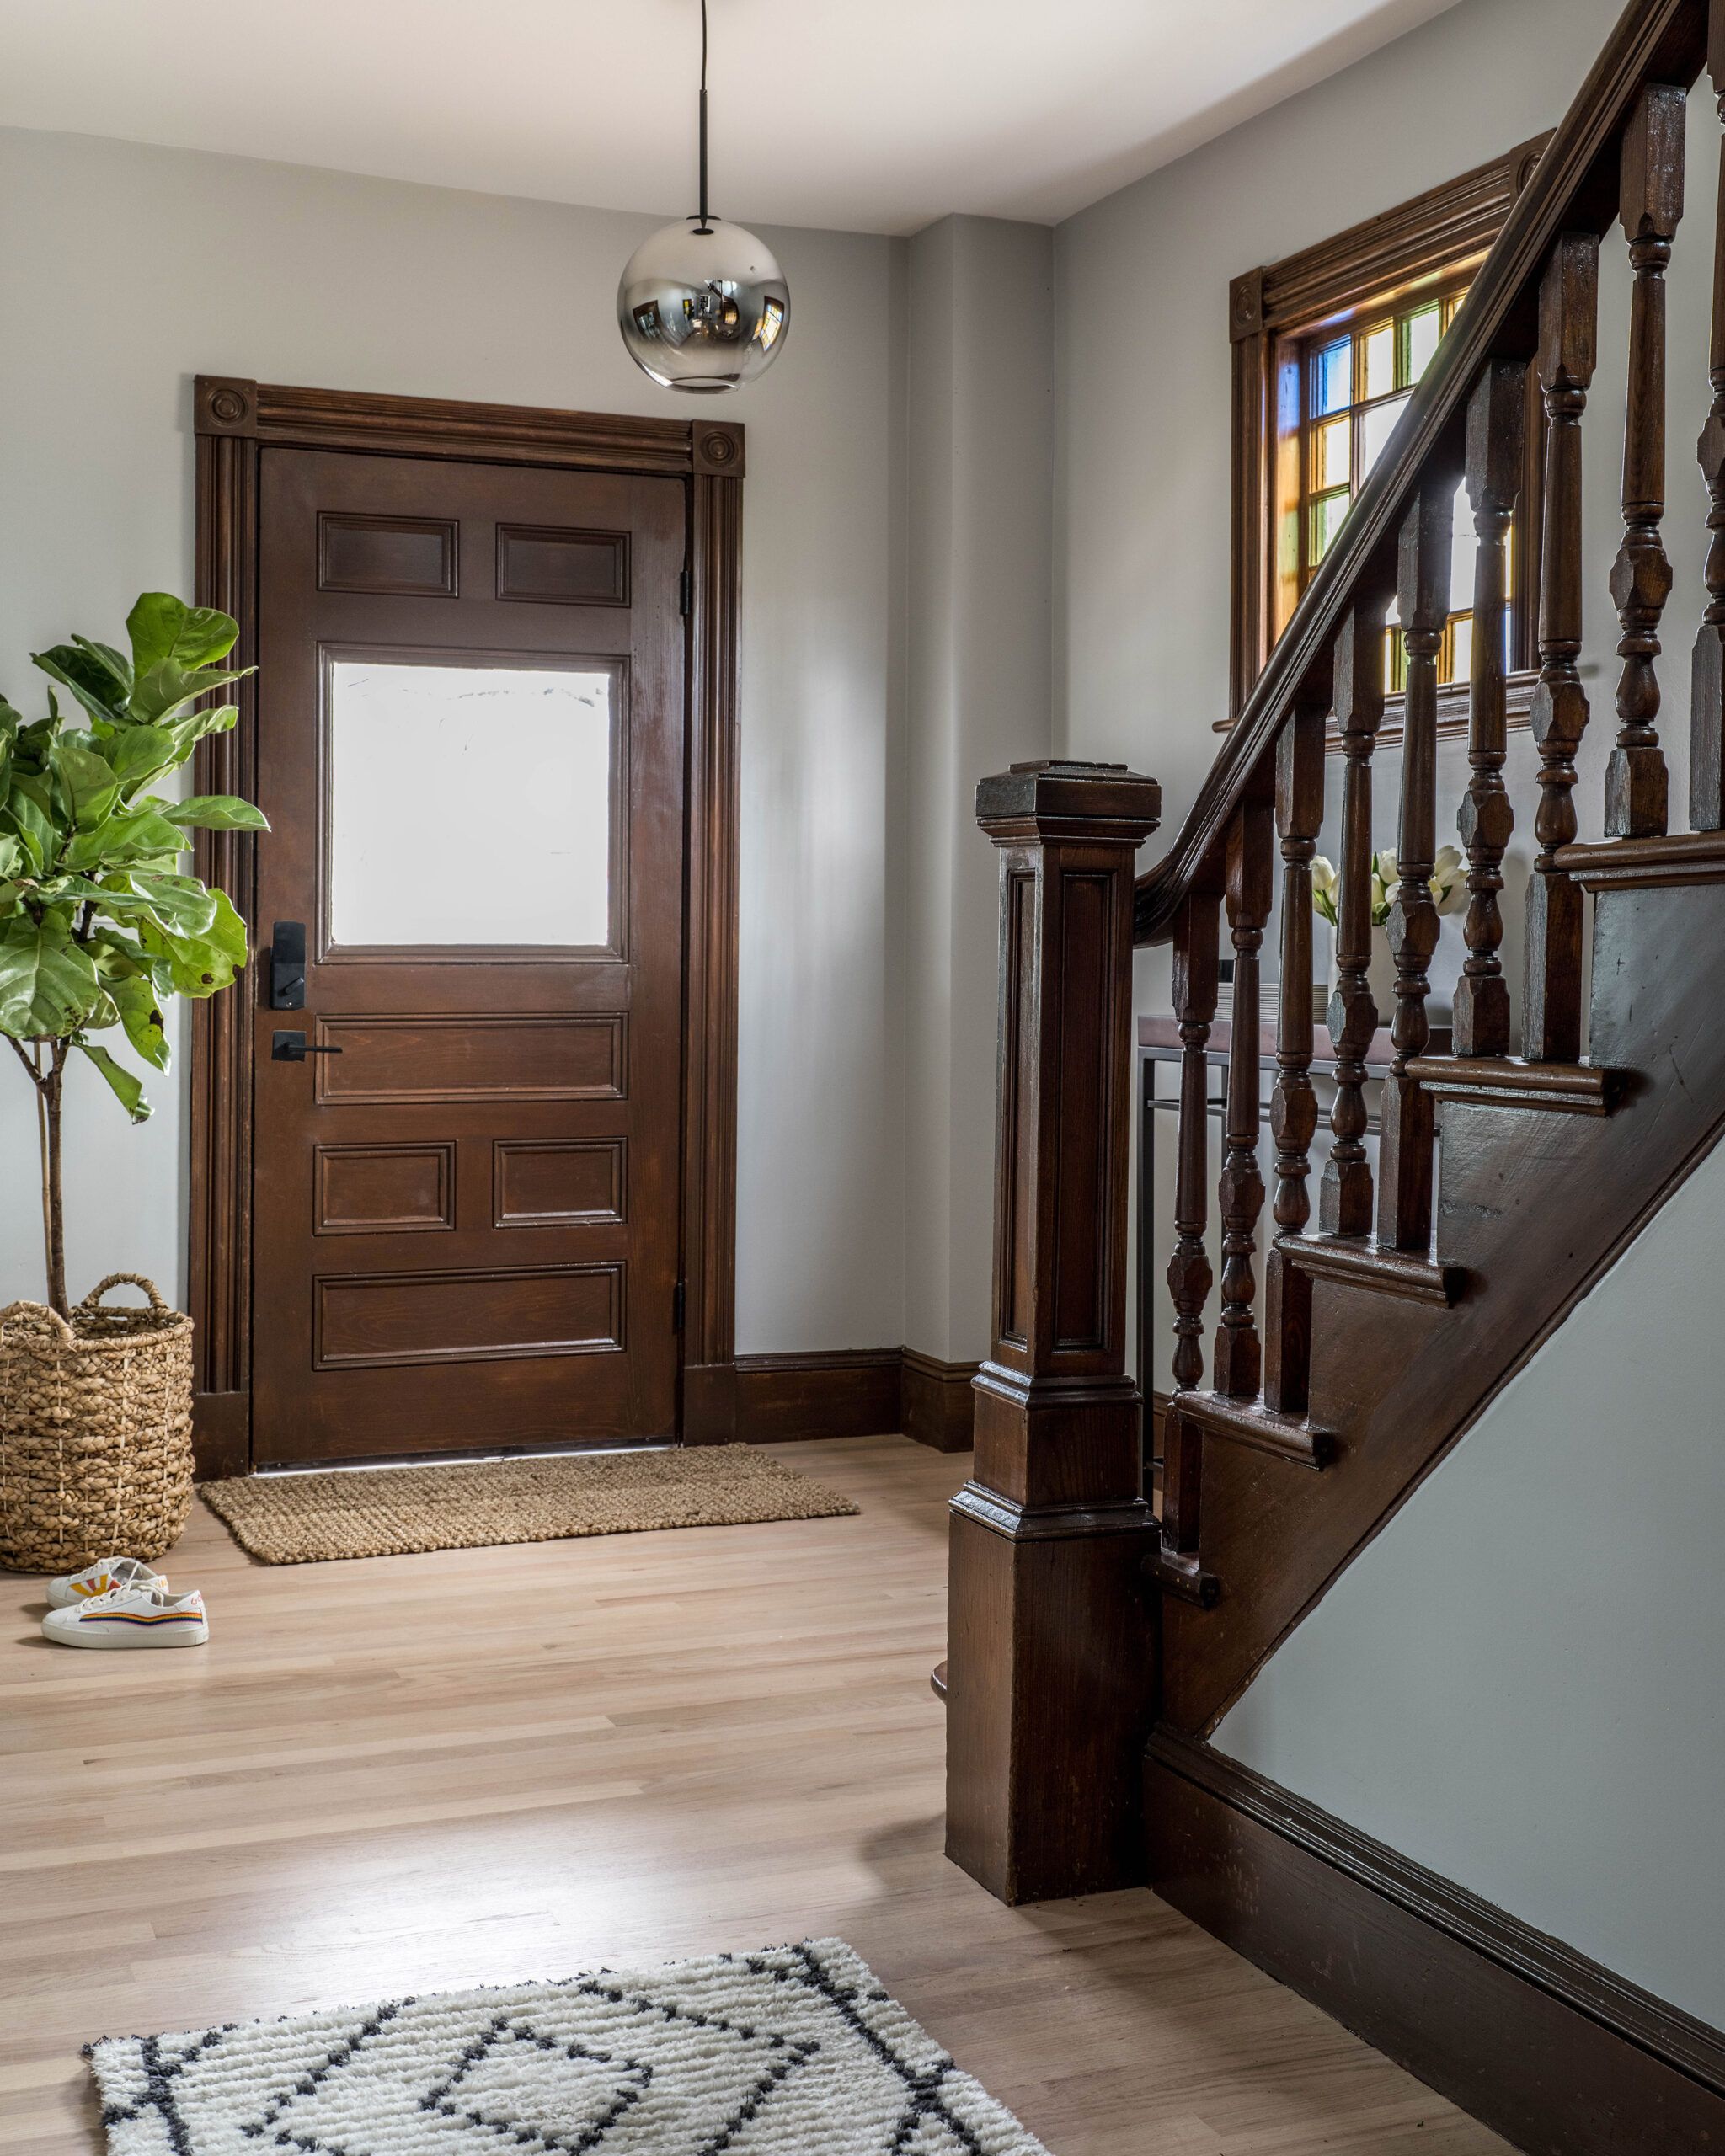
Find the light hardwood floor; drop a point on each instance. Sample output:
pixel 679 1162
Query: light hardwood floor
pixel 411 1773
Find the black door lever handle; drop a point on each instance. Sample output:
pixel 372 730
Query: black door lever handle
pixel 294 1047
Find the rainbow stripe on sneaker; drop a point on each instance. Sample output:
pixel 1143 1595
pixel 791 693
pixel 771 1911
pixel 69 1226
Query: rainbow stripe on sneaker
pixel 127 1617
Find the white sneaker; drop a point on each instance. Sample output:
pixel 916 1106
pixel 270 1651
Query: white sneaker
pixel 98 1577
pixel 135 1616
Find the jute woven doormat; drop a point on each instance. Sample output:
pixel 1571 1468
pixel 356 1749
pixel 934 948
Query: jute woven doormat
pixel 300 1519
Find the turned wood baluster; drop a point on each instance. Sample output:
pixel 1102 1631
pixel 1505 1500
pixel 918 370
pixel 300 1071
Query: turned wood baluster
pixel 1189 1275
pixel 1287 1300
pixel 1497 449
pixel 1344 1199
pixel 1406 1124
pixel 1239 1357
pixel 1551 1026
pixel 1651 203
pixel 1707 722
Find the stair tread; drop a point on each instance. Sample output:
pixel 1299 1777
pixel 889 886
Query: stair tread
pixel 1643 864
pixel 1512 1081
pixel 1361 1261
pixel 1251 1422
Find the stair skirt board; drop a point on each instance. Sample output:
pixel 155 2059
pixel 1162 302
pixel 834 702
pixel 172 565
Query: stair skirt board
pixel 1545 2046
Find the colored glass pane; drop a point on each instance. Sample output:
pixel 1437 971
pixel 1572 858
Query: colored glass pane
pixel 1377 364
pixel 1332 377
pixel 1419 335
pixel 1333 455
pixel 1327 514
pixel 1375 428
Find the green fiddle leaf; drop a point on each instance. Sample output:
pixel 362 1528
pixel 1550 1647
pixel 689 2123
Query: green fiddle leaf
pixel 91 682
pixel 128 1089
pixel 141 1014
pixel 88 787
pixel 217 812
pixel 163 627
pixel 138 754
pixel 28 812
pixel 48 984
pixel 199 965
pixel 11 855
pixel 170 687
pixel 128 837
pixel 178 903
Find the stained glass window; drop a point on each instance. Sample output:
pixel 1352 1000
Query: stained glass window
pixel 1355 385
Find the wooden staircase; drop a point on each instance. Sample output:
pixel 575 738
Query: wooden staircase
pixel 1359 1322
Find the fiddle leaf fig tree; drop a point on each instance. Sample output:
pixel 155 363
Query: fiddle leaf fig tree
pixel 99 925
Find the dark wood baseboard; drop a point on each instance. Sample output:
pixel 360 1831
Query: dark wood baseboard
pixel 1554 2052
pixel 221 1435
pixel 846 1392
pixel 835 1393
pixel 935 1401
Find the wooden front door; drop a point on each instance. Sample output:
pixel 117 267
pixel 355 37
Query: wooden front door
pixel 470 751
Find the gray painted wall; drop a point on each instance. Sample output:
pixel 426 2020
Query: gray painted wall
pixel 980 408
pixel 1515 1683
pixel 125 270
pixel 1518 1682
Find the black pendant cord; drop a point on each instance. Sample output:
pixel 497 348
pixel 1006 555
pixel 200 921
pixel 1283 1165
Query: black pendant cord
pixel 701 224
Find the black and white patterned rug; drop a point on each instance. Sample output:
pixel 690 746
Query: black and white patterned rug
pixel 795 2052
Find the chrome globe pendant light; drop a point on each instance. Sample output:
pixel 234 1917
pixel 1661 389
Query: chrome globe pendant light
pixel 702 305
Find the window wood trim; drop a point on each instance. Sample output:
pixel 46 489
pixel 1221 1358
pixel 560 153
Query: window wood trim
pixel 1442 230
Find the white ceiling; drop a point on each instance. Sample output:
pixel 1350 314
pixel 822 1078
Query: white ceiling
pixel 876 115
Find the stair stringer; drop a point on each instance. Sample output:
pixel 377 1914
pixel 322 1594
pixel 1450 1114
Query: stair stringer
pixel 1535 1208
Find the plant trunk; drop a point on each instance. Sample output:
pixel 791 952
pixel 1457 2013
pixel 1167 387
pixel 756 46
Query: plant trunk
pixel 53 1200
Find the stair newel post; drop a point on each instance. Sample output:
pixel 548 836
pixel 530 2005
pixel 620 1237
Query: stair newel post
pixel 1569 296
pixel 1345 1196
pixel 1406 1122
pixel 1051 1656
pixel 1651 203
pixel 1250 887
pixel 1497 450
pixel 1189 1275
pixel 1300 815
pixel 1707 721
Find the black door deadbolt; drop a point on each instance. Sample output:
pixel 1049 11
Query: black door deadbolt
pixel 294 1047
pixel 287 966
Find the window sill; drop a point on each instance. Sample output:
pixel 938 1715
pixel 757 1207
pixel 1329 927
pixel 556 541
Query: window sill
pixel 1452 713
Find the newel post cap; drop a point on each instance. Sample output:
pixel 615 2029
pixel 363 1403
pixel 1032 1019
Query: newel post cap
pixel 1055 798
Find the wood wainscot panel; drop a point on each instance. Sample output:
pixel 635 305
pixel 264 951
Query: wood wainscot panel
pixel 558 1181
pixel 569 568
pixel 382 1189
pixel 583 1057
pixel 403 557
pixel 372 1318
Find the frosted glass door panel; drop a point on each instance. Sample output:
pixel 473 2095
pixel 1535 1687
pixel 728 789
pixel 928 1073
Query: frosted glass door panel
pixel 469 804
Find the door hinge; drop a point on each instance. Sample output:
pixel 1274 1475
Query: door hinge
pixel 676 1308
pixel 685 592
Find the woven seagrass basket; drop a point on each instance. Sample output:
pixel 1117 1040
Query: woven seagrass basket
pixel 95 1430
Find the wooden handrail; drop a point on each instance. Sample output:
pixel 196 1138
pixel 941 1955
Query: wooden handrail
pixel 1574 184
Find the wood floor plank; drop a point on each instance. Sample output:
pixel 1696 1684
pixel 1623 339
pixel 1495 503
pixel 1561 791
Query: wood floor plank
pixel 471 1766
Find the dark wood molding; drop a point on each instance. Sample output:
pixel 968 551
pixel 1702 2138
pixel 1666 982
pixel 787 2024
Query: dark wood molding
pixel 221 1435
pixel 1553 2052
pixel 832 1393
pixel 234 420
pixel 1452 713
pixel 937 1407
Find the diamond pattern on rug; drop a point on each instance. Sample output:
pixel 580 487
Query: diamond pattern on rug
pixel 795 2052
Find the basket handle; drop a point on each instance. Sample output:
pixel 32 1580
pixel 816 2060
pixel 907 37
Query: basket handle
pixel 124 1280
pixel 37 1317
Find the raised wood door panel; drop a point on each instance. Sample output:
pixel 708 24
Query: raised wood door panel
pixel 471 723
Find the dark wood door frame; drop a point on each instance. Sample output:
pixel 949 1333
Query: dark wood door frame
pixel 234 421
